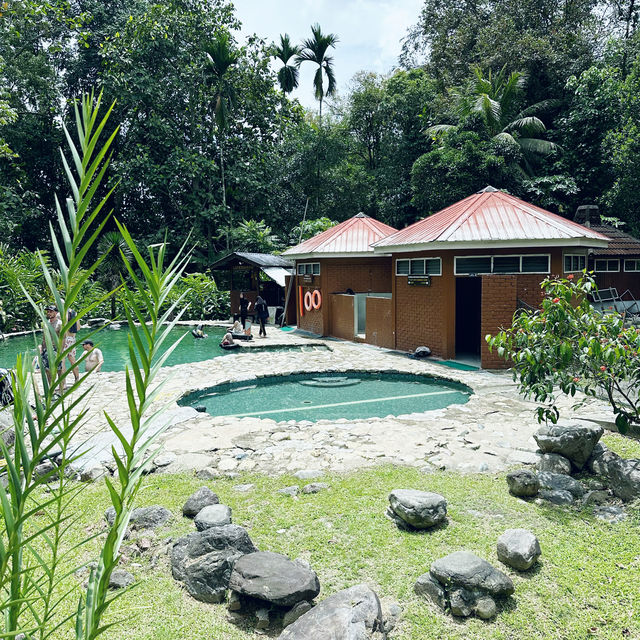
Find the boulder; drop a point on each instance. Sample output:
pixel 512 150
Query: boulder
pixel 120 579
pixel 560 482
pixel 427 586
pixel 518 548
pixel 215 515
pixel 554 462
pixel 418 509
pixel 298 610
pixel 523 483
pixel 204 560
pixel 600 460
pixel 314 487
pixel 466 570
pixel 624 478
pixel 610 513
pixel 198 500
pixel 274 578
pixel 143 517
pixel 352 614
pixel 575 442
pixel 559 496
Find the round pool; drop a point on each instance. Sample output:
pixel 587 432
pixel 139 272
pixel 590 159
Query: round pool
pixel 318 396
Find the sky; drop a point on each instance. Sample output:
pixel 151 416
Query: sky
pixel 369 31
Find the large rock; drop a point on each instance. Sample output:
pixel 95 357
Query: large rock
pixel 215 515
pixel 427 586
pixel 518 548
pixel 198 500
pixel 419 509
pixel 523 483
pixel 143 517
pixel 466 570
pixel 352 614
pixel 274 578
pixel 560 482
pixel 554 462
pixel 557 496
pixel 575 442
pixel 624 478
pixel 204 560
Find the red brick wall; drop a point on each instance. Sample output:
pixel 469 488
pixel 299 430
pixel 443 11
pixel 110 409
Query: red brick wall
pixel 379 330
pixel 342 316
pixel 361 275
pixel 499 295
pixel 312 320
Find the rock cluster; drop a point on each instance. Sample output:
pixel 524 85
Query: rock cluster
pixel 573 442
pixel 465 584
pixel 622 475
pixel 411 509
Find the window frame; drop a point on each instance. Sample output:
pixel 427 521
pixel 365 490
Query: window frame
pixel 583 256
pixel 301 268
pixel 520 256
pixel 607 261
pixel 636 261
pixel 424 262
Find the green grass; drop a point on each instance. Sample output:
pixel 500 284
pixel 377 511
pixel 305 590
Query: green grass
pixel 585 585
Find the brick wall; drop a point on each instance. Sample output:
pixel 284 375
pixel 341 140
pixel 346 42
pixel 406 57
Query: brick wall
pixel 312 320
pixel 379 329
pixel 499 295
pixel 342 316
pixel 360 275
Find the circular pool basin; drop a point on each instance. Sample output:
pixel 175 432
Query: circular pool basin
pixel 318 396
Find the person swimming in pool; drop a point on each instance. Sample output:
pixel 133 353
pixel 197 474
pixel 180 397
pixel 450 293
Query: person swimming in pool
pixel 198 332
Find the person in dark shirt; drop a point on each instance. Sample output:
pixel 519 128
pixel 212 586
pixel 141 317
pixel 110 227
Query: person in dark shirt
pixel 263 313
pixel 245 305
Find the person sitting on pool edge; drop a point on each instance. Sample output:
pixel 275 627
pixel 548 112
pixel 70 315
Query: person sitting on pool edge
pixel 95 360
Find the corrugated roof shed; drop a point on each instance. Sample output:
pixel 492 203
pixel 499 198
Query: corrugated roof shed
pixel 351 237
pixel 255 259
pixel 491 218
pixel 621 244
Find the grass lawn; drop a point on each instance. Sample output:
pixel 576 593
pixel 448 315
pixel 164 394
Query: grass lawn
pixel 586 585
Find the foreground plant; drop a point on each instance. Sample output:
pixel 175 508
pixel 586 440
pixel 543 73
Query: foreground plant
pixel 38 502
pixel 567 345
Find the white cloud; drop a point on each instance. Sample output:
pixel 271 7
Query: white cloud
pixel 370 31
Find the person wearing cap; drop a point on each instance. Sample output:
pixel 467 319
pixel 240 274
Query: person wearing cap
pixel 55 324
pixel 94 359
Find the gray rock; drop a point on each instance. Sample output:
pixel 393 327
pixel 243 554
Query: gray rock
pixel 244 488
pixel 558 497
pixel 419 509
pixel 352 614
pixel 290 491
pixel 560 482
pixel 274 578
pixel 518 548
pixel 198 500
pixel 295 612
pixel 204 560
pixel 466 570
pixel 611 514
pixel 555 463
pixel 600 459
pixel 595 497
pixel 93 474
pixel 462 602
pixel 426 585
pixel 45 468
pixel 215 515
pixel 164 460
pixel 308 474
pixel 485 607
pixel 143 517
pixel 575 442
pixel 208 473
pixel 120 579
pixel 314 487
pixel 262 616
pixel 624 478
pixel 523 483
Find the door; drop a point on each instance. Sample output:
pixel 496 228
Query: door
pixel 468 317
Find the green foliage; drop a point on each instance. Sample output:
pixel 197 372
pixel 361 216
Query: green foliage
pixel 310 228
pixel 569 346
pixel 253 236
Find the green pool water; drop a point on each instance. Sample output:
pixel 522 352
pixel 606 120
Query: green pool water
pixel 115 348
pixel 329 397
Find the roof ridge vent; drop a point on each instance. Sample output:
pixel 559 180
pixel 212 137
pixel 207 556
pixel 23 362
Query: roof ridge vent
pixel 488 189
pixel 361 215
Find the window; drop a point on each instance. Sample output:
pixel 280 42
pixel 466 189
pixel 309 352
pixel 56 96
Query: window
pixel 632 265
pixel 602 265
pixel 308 268
pixel 474 265
pixel 574 262
pixel 419 267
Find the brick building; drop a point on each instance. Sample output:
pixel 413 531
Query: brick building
pixel 444 282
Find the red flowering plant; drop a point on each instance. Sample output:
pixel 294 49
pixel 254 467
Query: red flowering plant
pixel 566 345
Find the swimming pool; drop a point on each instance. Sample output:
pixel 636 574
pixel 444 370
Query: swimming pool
pixel 115 347
pixel 318 396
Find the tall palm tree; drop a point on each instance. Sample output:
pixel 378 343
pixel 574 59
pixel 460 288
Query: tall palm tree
pixel 288 73
pixel 495 98
pixel 221 55
pixel 315 50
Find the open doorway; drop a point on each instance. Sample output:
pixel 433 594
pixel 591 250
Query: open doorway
pixel 468 319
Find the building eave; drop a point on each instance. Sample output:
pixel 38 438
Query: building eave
pixel 323 256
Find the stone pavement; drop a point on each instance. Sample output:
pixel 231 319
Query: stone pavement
pixel 490 432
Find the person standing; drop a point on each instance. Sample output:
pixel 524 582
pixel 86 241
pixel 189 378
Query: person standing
pixel 69 342
pixel 263 313
pixel 55 325
pixel 245 305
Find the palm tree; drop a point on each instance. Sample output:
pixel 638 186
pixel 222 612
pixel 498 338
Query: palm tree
pixel 495 98
pixel 220 57
pixel 112 246
pixel 315 50
pixel 288 73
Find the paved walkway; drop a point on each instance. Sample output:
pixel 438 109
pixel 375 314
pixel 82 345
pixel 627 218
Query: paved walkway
pixel 490 432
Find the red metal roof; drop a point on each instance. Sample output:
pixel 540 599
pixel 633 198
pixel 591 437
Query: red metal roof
pixel 353 236
pixel 491 216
